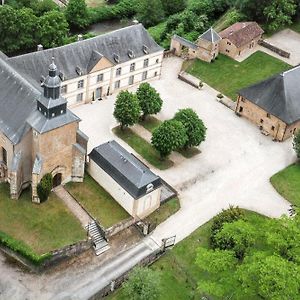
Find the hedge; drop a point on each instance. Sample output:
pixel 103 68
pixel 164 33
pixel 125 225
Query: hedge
pixel 22 249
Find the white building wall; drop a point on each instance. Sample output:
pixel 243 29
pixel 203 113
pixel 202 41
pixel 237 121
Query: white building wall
pixel 140 207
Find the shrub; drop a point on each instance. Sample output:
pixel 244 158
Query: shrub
pixel 44 187
pixel 22 249
pixel 296 143
pixel 220 96
pixel 225 216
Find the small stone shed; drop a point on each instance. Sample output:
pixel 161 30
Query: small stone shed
pixel 128 180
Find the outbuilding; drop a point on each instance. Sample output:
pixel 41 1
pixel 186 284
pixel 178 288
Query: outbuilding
pixel 132 184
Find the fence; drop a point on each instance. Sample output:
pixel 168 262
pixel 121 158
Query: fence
pixel 274 49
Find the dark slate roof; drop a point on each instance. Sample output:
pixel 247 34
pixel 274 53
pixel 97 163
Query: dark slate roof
pixel 17 101
pixel 278 95
pixel 242 33
pixel 184 42
pixel 83 55
pixel 210 35
pixel 132 175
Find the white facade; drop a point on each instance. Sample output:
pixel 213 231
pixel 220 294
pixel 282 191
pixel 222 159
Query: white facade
pixel 141 207
pixel 104 80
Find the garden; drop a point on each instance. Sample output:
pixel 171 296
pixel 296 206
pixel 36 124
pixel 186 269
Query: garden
pixel 36 228
pixel 229 76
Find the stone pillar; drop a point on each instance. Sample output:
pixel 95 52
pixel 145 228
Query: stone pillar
pixel 13 185
pixel 35 181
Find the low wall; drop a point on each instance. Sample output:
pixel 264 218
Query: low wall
pixel 111 231
pixel 150 259
pixel 168 53
pixel 191 80
pixel 274 49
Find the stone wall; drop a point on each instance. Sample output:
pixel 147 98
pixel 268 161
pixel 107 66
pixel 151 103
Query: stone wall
pixel 274 49
pixel 111 231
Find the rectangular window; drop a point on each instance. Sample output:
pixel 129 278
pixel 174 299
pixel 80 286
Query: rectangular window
pixel 261 121
pixel 4 156
pixel 118 72
pixel 117 84
pixel 98 92
pixel 131 80
pixel 155 74
pixel 273 128
pixel 80 84
pixel 146 63
pixel 132 67
pixel 99 77
pixel 157 61
pixel 227 51
pixel 241 109
pixel 64 89
pixel 144 76
pixel 79 97
pixel 268 115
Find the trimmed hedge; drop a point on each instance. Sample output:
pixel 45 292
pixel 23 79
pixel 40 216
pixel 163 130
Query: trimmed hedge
pixel 22 249
pixel 44 187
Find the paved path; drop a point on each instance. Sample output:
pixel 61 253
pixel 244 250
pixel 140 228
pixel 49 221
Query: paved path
pixel 234 168
pixel 74 207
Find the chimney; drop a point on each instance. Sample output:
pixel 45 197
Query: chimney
pixel 40 47
pixel 79 37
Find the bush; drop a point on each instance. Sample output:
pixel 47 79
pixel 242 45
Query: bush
pixel 44 187
pixel 225 216
pixel 296 143
pixel 220 96
pixel 22 248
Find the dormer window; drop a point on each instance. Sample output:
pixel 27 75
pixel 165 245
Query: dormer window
pixel 116 58
pixel 130 54
pixel 145 49
pixel 42 79
pixel 78 71
pixel 61 76
pixel 149 188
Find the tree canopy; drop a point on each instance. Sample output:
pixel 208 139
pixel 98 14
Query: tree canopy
pixel 150 12
pixel 77 14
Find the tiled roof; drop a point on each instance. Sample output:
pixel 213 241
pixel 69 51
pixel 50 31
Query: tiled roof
pixel 184 42
pixel 242 33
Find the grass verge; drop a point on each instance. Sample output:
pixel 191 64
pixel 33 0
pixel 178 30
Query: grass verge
pixel 179 273
pixel 43 227
pixel 143 148
pixel 229 76
pixel 97 201
pixel 286 183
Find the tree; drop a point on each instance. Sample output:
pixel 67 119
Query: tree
pixel 44 187
pixel 149 99
pixel 169 136
pixel 279 13
pixel 172 7
pixel 143 284
pixel 193 125
pixel 150 12
pixel 127 109
pixel 77 14
pixel 52 29
pixel 296 143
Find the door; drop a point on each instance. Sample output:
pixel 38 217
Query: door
pixel 57 180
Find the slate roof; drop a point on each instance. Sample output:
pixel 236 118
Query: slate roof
pixel 83 55
pixel 184 42
pixel 241 33
pixel 210 35
pixel 278 95
pixel 132 175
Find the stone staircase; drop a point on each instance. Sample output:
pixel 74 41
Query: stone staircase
pixel 100 244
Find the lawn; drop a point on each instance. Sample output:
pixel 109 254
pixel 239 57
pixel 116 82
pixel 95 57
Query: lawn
pixel 43 227
pixel 229 76
pixel 151 123
pixel 97 201
pixel 143 148
pixel 164 211
pixel 179 274
pixel 287 183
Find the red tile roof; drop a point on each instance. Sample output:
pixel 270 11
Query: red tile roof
pixel 242 33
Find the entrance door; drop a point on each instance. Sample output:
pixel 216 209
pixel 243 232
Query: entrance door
pixel 57 180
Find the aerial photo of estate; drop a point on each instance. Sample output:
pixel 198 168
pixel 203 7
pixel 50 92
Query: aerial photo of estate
pixel 149 149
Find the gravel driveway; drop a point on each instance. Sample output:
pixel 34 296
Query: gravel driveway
pixel 234 168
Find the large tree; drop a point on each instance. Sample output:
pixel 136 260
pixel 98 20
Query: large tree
pixel 149 99
pixel 150 12
pixel 169 136
pixel 127 109
pixel 173 6
pixel 193 125
pixel 143 284
pixel 53 29
pixel 77 14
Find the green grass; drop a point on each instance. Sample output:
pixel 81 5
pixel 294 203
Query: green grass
pixel 156 32
pixel 95 3
pixel 164 211
pixel 99 203
pixel 143 148
pixel 43 227
pixel 151 123
pixel 287 183
pixel 179 273
pixel 229 76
